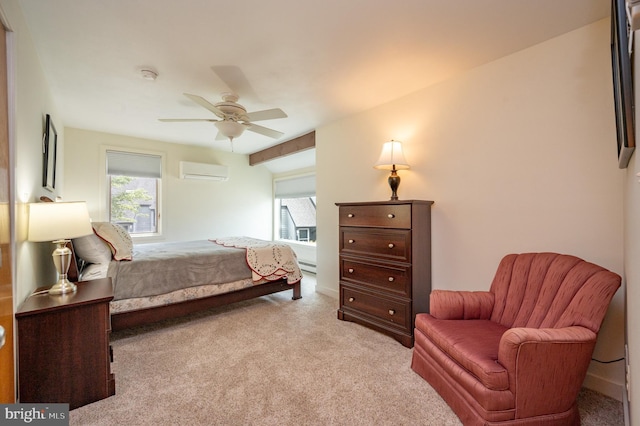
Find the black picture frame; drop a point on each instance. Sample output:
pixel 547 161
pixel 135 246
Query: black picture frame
pixel 49 153
pixel 622 82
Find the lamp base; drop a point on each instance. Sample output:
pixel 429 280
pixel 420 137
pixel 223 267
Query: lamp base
pixel 62 259
pixel 63 286
pixel 394 182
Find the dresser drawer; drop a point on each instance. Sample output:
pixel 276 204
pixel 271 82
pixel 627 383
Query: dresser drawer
pixel 386 277
pixel 392 244
pixel 383 216
pixel 391 311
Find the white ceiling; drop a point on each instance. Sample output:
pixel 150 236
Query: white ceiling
pixel 317 60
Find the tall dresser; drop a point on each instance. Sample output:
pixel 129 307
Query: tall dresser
pixel 385 264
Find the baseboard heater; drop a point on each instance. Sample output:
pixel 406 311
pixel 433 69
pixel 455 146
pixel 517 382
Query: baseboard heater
pixel 203 171
pixel 305 266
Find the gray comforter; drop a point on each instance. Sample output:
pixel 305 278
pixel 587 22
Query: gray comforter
pixel 160 268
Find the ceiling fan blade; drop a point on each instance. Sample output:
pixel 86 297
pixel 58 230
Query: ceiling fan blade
pixel 236 81
pixel 206 104
pixel 267 114
pixel 178 120
pixel 265 131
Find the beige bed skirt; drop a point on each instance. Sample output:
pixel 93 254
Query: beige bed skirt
pixel 198 292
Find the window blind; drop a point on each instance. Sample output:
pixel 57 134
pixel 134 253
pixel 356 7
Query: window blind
pixel 134 164
pixel 301 186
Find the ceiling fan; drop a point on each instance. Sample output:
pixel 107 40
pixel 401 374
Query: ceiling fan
pixel 233 117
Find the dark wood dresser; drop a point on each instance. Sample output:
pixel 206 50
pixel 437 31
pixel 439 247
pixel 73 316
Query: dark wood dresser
pixel 63 346
pixel 385 264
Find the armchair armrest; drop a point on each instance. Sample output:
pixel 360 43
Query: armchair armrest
pixel 546 366
pixel 448 304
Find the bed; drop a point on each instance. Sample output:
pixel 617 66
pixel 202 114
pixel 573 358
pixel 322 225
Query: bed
pixel 158 281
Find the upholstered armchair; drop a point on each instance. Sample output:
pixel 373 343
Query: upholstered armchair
pixel 518 353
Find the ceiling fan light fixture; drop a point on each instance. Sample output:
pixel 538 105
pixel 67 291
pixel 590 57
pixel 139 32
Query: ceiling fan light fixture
pixel 229 128
pixel 234 118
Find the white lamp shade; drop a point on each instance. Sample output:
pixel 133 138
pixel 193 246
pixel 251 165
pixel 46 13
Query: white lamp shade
pixel 231 129
pixel 391 156
pixel 58 221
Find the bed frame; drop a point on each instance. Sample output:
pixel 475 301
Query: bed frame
pixel 145 316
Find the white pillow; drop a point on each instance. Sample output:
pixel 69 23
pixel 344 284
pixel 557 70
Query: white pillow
pixel 93 272
pixel 92 249
pixel 117 237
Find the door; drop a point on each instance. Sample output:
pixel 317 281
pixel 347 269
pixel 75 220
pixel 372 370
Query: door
pixel 7 365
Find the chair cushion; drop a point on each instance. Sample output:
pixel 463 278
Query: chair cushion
pixel 473 344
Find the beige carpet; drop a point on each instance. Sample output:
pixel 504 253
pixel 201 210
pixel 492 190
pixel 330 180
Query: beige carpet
pixel 274 361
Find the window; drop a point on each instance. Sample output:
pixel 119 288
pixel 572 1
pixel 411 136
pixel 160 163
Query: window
pixel 134 181
pixel 295 202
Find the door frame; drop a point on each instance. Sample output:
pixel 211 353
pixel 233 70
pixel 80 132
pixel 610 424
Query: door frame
pixel 10 51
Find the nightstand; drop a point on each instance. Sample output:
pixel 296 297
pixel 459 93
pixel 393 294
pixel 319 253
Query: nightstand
pixel 63 346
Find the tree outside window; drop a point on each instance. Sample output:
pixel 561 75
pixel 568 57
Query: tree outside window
pixel 133 203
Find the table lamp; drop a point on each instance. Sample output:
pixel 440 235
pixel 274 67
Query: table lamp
pixel 59 222
pixel 392 158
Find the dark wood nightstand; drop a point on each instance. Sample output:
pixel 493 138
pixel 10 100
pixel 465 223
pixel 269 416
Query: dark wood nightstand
pixel 63 346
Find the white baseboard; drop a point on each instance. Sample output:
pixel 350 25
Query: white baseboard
pixel 331 292
pixel 626 408
pixel 604 386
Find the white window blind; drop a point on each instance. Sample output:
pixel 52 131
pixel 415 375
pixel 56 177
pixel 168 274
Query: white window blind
pixel 301 186
pixel 134 164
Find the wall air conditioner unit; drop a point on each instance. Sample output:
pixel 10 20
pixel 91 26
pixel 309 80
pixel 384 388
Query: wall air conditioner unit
pixel 203 171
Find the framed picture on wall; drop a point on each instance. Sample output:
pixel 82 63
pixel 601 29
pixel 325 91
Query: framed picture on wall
pixel 49 151
pixel 623 94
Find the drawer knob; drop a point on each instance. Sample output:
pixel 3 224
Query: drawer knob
pixel 350 270
pixel 350 215
pixel 391 215
pixel 352 241
pixel 392 311
pixel 351 299
pixel 391 245
pixel 391 279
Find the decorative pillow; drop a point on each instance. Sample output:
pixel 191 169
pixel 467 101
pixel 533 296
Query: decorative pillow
pixel 117 237
pixel 92 249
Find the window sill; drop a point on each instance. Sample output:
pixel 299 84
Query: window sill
pixel 299 243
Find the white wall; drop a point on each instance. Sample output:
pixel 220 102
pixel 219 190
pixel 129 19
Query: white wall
pixel 518 155
pixel 632 259
pixel 32 100
pixel 192 209
pixel 632 275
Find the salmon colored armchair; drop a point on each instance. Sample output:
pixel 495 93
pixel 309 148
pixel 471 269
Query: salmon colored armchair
pixel 518 353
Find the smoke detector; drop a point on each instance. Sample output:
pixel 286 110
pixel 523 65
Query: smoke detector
pixel 148 74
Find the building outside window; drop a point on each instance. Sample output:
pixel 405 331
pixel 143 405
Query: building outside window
pixel 298 219
pixel 295 201
pixel 134 181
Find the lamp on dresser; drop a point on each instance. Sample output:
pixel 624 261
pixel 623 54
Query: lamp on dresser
pixel 392 158
pixel 59 222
